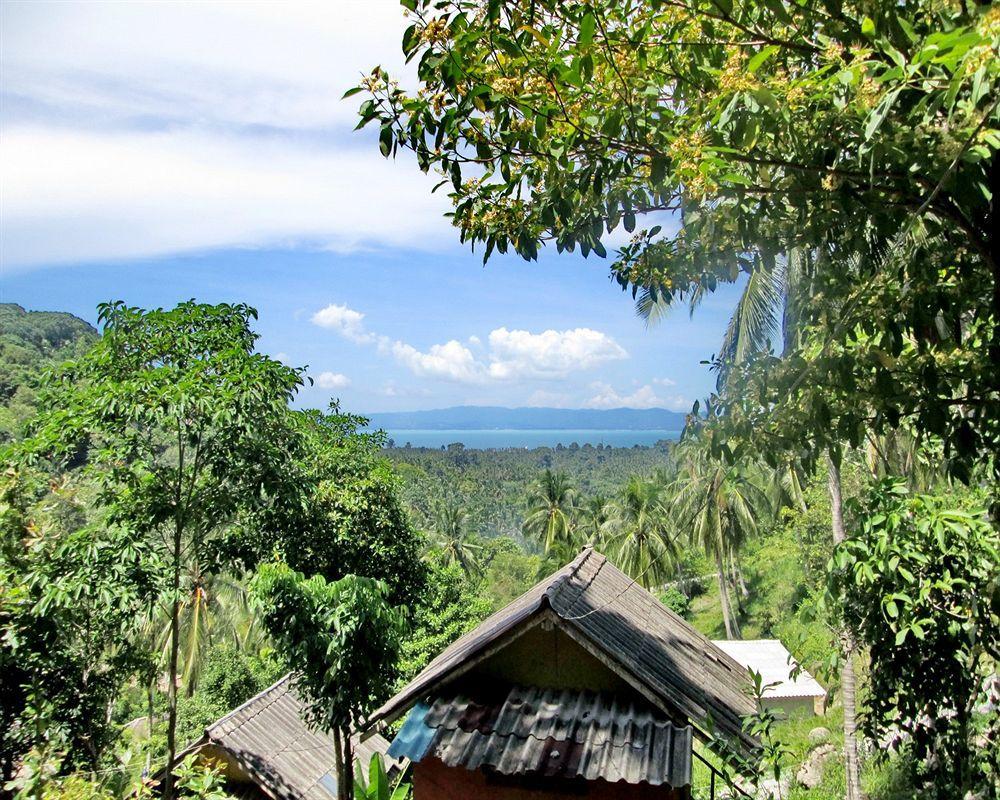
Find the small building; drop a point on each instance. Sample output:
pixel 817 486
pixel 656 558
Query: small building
pixel 269 752
pixel 585 685
pixel 800 695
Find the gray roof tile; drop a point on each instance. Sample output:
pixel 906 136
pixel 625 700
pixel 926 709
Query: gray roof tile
pixel 270 739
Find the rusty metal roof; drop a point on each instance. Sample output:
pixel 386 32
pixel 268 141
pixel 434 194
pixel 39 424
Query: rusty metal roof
pixel 550 733
pixel 270 740
pixel 637 637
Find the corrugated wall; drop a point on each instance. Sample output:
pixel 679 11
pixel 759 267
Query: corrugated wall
pixel 432 780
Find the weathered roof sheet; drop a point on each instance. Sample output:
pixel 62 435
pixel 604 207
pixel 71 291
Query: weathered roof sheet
pixel 772 660
pixel 550 732
pixel 639 638
pixel 270 740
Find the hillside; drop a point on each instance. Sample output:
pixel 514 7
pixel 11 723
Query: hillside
pixel 529 418
pixel 31 341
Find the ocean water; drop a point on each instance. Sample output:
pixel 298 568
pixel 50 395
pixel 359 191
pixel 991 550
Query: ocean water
pixel 500 438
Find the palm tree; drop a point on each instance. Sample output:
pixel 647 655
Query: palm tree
pixel 767 313
pixel 453 539
pixel 593 513
pixel 214 609
pixel 720 505
pixel 550 511
pixel 637 535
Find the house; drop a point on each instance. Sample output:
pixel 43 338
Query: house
pixel 801 695
pixel 269 752
pixel 585 685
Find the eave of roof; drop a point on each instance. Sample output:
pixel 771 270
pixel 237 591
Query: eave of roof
pixel 637 637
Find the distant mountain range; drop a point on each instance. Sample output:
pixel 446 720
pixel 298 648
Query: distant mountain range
pixel 469 418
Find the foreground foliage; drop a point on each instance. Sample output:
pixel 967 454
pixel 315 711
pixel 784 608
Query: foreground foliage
pixel 919 586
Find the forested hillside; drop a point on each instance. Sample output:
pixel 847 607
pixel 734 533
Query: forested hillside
pixel 31 341
pixel 492 485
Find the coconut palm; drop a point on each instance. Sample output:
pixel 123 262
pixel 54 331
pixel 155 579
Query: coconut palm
pixel 638 536
pixel 453 538
pixel 214 609
pixel 594 512
pixel 767 313
pixel 719 504
pixel 551 507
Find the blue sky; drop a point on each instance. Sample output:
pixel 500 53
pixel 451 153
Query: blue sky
pixel 156 152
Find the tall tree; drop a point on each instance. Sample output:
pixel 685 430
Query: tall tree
pixel 453 538
pixel 342 639
pixel 185 426
pixel 720 505
pixel 550 511
pixel 593 513
pixel 865 135
pixel 638 535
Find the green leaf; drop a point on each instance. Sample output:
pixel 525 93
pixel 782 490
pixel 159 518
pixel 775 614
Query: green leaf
pixel 587 26
pixel 759 58
pixel 868 27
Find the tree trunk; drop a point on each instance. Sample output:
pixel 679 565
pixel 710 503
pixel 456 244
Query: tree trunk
pixel 732 626
pixel 345 766
pixel 847 682
pixel 175 609
pixel 738 580
pixel 348 765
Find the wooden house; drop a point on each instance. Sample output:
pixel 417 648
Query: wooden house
pixel 586 685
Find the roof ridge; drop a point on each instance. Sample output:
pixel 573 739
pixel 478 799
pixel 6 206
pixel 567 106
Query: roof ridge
pixel 560 578
pixel 219 722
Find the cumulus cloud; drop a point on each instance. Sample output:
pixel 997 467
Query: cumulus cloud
pixel 550 354
pixel 451 361
pixel 332 380
pixel 345 321
pixel 644 397
pixel 511 354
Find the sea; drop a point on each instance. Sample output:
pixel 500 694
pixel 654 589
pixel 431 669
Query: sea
pixel 495 439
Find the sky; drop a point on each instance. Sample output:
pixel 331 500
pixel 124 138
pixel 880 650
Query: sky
pixel 156 152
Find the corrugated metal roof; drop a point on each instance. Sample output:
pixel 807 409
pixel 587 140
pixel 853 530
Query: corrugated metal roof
pixel 270 740
pixel 772 660
pixel 639 638
pixel 552 733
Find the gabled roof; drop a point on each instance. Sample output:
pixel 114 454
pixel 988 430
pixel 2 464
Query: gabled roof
pixel 772 660
pixel 269 739
pixel 560 733
pixel 629 630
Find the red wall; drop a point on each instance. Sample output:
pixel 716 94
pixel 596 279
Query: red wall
pixel 432 780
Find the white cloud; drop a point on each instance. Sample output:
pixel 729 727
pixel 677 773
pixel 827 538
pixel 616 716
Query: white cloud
pixel 664 381
pixel 83 196
pixel 511 356
pixel 332 380
pixel 550 354
pixel 452 361
pixel 144 129
pixel 643 397
pixel 345 321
